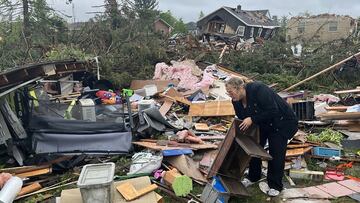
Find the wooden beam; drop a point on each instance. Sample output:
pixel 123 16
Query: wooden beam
pixel 321 72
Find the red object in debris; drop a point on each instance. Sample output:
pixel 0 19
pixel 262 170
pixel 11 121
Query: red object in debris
pixel 334 174
pixel 347 165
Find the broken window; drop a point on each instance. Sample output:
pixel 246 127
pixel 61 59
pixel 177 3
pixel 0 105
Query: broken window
pixel 333 26
pixel 218 27
pixel 301 27
pixel 267 34
pixel 259 32
pixel 252 32
pixel 240 30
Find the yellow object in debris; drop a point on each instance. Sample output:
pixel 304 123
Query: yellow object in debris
pixel 67 114
pixel 33 94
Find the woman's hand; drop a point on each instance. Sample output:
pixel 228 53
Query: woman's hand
pixel 245 124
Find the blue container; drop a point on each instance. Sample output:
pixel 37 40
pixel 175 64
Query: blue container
pixel 326 152
pixel 215 192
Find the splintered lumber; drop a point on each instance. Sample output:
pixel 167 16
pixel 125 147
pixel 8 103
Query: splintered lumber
pixel 201 127
pixel 159 198
pixel 252 149
pixel 321 72
pixel 154 146
pixel 212 108
pixel 302 145
pixel 181 184
pixel 187 166
pixel 357 90
pixel 30 188
pixel 36 172
pixel 129 192
pixel 297 151
pixel 218 127
pixel 28 171
pixel 165 107
pixel 337 108
pixel 160 84
pixel 340 116
pixel 175 95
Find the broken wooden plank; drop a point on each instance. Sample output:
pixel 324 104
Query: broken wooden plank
pixel 165 107
pixel 340 116
pixel 160 84
pixel 186 166
pixel 30 188
pixel 218 127
pixel 129 192
pixel 234 186
pixel 156 147
pixel 201 127
pixel 251 148
pixel 175 95
pixel 36 172
pixel 297 151
pixel 321 72
pixel 212 108
pixel 336 108
pixel 357 90
pixel 292 146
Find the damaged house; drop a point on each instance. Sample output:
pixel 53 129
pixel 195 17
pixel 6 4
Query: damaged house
pixel 227 22
pixel 320 28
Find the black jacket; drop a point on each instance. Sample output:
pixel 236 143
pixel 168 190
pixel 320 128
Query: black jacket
pixel 267 109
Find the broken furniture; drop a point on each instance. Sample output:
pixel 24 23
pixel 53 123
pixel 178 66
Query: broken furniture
pixel 237 149
pixel 129 192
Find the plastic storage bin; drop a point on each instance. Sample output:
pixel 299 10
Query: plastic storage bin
pixel 327 152
pixel 96 183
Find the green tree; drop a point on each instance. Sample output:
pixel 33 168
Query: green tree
pixel 180 27
pixel 168 17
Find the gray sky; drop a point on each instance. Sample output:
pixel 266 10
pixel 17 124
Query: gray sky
pixel 189 10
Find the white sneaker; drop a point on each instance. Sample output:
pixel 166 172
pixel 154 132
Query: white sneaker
pixel 264 187
pixel 246 182
pixel 273 192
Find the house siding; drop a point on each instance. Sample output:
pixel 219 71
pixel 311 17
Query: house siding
pixel 317 28
pixel 162 28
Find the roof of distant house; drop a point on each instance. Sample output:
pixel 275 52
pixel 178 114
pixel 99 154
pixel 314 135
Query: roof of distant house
pixel 259 18
pixel 255 17
pixel 166 23
pixel 323 15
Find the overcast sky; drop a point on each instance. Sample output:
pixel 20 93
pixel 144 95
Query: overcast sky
pixel 189 10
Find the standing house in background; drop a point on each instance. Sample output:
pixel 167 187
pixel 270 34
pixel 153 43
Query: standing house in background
pixel 228 22
pixel 320 28
pixel 162 26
